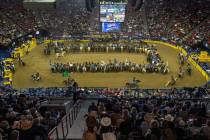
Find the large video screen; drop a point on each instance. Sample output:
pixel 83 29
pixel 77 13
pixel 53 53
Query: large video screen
pixel 112 13
pixel 111 27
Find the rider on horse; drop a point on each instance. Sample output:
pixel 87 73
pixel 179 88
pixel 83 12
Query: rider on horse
pixel 36 77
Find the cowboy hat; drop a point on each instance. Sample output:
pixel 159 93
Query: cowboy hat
pixel 148 117
pixel 105 121
pixel 169 118
pixel 181 123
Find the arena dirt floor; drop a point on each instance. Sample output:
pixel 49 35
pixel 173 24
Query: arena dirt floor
pixel 36 61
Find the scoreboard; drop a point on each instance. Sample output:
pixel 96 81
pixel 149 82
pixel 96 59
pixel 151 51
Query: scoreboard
pixel 111 27
pixel 112 15
pixel 112 12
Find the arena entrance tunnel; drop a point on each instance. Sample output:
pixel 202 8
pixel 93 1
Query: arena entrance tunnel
pixel 36 61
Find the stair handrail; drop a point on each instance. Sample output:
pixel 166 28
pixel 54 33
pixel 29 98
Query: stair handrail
pixel 65 123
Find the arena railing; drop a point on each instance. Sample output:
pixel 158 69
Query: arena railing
pixel 87 92
pixel 62 130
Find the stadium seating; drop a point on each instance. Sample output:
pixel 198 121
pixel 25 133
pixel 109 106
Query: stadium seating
pixel 146 119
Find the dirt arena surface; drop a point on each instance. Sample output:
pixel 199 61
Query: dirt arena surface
pixel 36 61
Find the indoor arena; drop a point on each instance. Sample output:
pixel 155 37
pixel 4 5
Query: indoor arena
pixel 104 70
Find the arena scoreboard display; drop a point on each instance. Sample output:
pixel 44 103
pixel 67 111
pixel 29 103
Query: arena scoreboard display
pixel 111 27
pixel 112 15
pixel 112 12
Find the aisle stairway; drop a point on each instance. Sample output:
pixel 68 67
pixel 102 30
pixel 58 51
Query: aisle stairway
pixel 76 131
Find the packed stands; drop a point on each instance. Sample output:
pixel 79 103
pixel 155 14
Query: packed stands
pixel 134 22
pixel 164 19
pixel 9 31
pixel 188 18
pixel 29 116
pixel 64 23
pixel 158 16
pixel 147 119
pixel 23 116
pixel 199 34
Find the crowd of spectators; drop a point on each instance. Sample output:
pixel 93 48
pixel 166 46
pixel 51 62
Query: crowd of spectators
pixel 198 35
pixel 156 18
pixel 172 20
pixel 188 17
pixel 22 118
pixel 73 21
pixel 134 22
pixel 21 17
pixel 8 31
pixel 173 93
pixel 119 118
pixel 158 15
pixel 17 21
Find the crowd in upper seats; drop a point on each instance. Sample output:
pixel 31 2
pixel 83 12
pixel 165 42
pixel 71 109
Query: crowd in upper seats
pixel 162 18
pixel 63 22
pixel 16 21
pixel 9 30
pixel 173 20
pixel 188 17
pixel 158 15
pixel 134 22
pixel 199 34
pixel 118 118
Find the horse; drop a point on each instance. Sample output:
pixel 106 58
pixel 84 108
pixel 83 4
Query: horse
pixel 57 55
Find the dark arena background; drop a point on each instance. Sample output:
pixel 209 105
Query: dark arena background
pixel 104 69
